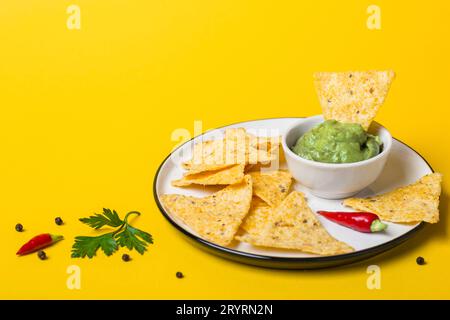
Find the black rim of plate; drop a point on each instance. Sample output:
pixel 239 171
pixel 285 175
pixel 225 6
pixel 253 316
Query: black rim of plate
pixel 294 260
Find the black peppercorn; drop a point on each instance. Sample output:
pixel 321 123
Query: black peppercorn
pixel 126 257
pixel 420 261
pixel 179 275
pixel 19 227
pixel 41 254
pixel 58 221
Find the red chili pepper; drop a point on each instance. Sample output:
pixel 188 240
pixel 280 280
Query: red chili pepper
pixel 38 242
pixel 359 221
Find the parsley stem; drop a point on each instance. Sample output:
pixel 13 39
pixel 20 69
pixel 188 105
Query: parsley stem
pixel 131 212
pixel 125 221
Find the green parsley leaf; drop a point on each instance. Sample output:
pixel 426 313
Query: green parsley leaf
pixel 88 246
pixel 133 238
pixel 107 218
pixel 125 236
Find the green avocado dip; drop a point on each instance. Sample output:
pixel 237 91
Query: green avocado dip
pixel 336 142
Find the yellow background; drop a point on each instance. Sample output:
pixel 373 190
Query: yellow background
pixel 86 118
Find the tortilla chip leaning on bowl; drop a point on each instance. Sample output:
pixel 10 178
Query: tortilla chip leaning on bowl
pixel 413 203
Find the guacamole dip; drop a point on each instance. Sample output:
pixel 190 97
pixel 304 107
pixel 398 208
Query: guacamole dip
pixel 336 142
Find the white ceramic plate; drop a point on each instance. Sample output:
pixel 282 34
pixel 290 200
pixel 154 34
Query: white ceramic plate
pixel 404 166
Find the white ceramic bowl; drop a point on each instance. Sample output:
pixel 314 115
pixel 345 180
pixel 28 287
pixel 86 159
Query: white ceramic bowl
pixel 329 180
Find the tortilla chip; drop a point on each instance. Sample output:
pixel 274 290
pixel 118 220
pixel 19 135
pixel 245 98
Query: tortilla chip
pixel 257 217
pixel 200 151
pixel 236 135
pixel 292 225
pixel 207 156
pixel 230 175
pixel 263 143
pixel 272 187
pixel 217 217
pixel 258 142
pixel 273 165
pixel 352 97
pixel 235 148
pixel 413 203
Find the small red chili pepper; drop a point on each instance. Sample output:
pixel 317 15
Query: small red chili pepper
pixel 38 242
pixel 359 221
